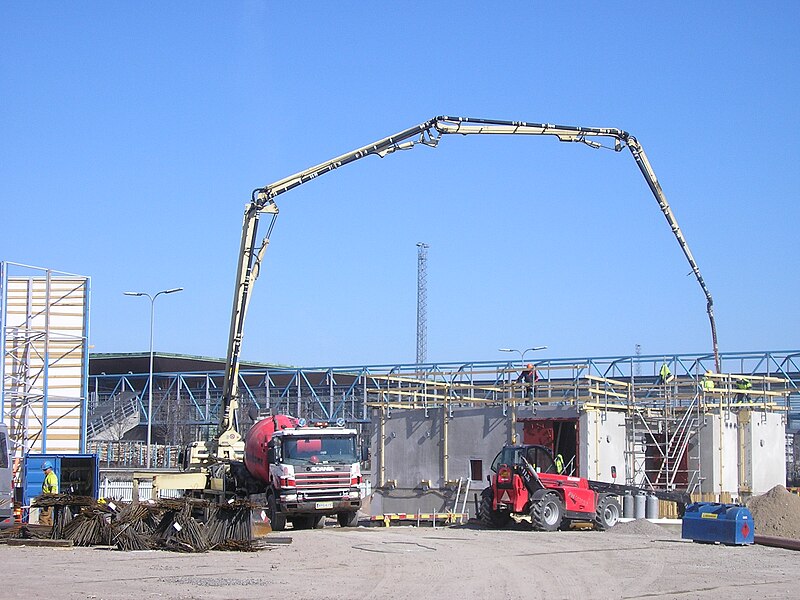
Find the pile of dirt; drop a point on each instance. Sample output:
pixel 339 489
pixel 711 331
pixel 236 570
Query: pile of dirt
pixel 640 527
pixel 776 513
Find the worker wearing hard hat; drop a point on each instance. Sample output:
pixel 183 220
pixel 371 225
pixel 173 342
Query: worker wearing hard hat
pixel 529 377
pixel 744 385
pixel 708 382
pixel 49 486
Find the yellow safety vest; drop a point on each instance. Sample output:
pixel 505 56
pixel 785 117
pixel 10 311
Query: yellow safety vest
pixel 559 464
pixel 50 484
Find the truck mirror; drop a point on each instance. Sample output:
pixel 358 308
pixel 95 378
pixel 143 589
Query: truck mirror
pixel 364 453
pixel 271 455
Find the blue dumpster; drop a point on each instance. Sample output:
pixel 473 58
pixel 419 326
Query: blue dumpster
pixel 714 522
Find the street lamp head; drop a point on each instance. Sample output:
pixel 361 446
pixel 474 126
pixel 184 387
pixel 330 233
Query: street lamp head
pixel 506 350
pixel 172 291
pixel 133 293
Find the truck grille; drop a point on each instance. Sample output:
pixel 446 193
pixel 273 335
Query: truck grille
pixel 329 485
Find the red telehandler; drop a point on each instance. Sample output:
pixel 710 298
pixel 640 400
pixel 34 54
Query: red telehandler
pixel 527 482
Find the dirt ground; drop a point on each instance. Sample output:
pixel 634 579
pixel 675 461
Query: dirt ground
pixel 409 562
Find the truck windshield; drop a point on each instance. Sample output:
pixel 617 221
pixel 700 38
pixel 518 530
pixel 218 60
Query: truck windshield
pixel 320 449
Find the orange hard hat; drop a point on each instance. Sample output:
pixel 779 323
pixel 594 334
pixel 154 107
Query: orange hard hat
pixel 530 366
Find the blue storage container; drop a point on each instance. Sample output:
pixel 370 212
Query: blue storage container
pixel 78 474
pixel 714 522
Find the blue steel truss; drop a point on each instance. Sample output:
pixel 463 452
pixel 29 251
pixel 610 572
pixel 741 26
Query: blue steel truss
pixel 192 399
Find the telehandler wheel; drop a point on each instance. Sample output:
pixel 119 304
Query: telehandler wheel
pixel 347 519
pixel 607 513
pixel 547 512
pixel 277 520
pixel 489 517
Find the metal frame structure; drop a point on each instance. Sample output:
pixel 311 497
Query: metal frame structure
pixel 662 419
pixel 43 351
pixel 329 393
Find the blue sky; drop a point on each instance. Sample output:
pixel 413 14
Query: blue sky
pixel 134 132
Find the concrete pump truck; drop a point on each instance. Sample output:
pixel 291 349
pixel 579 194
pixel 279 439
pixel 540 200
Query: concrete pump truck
pixel 301 474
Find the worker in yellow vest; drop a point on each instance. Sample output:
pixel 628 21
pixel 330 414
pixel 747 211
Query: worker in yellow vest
pixel 708 382
pixel 559 461
pixel 664 374
pixel 743 384
pixel 49 486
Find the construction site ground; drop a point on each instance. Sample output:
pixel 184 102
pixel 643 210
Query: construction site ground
pixel 633 560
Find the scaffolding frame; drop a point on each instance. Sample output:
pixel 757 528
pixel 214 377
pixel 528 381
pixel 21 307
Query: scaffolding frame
pixel 45 364
pixel 324 393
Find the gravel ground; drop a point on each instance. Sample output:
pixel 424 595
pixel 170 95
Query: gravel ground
pixel 409 562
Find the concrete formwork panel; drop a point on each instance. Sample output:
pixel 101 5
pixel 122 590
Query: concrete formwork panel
pixel 602 445
pixel 762 445
pixel 416 473
pixel 718 453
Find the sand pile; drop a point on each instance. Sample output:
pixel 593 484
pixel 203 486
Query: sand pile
pixel 776 513
pixel 640 527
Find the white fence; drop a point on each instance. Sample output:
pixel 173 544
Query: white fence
pixel 123 490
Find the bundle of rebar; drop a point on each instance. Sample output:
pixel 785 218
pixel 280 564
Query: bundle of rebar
pixel 91 527
pixel 62 516
pixel 47 500
pixel 178 530
pixel 229 525
pixel 88 528
pixel 167 524
pixel 133 526
pixel 25 531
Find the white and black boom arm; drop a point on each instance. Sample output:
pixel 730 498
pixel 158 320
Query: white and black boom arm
pixel 428 134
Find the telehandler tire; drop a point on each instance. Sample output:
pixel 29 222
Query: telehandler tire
pixel 490 518
pixel 547 512
pixel 608 512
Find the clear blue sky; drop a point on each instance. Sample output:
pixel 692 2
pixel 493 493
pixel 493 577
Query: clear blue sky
pixel 134 132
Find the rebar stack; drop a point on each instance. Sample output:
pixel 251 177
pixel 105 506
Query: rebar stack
pixel 133 526
pixel 178 530
pixel 229 526
pixel 167 524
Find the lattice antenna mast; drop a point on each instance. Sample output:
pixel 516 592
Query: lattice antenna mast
pixel 422 302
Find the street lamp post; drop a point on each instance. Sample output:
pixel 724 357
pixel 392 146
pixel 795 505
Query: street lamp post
pixel 150 375
pixel 522 353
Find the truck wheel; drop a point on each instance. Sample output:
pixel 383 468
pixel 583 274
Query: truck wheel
pixel 607 513
pixel 493 519
pixel 277 520
pixel 317 521
pixel 547 512
pixel 347 519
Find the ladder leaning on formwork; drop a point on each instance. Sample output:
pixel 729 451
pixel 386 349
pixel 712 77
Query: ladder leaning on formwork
pixel 460 513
